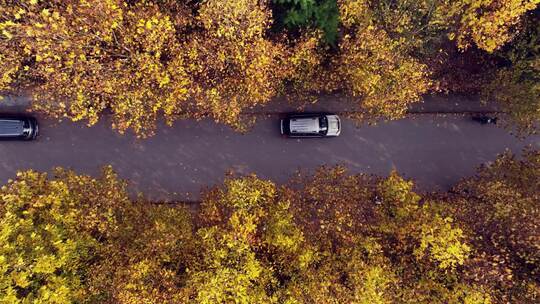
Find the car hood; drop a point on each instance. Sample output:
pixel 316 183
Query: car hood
pixel 334 125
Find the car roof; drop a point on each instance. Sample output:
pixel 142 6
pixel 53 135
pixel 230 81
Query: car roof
pixel 11 126
pixel 304 124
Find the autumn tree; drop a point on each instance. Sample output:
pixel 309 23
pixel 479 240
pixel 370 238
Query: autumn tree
pixel 324 237
pixel 51 233
pixel 375 67
pixel 252 244
pixel 371 60
pixel 488 24
pixel 378 241
pixel 336 214
pixel 84 57
pixel 447 35
pixel 148 258
pixel 500 206
pixel 261 248
pixel 516 85
pixel 142 60
pixel 73 238
pixel 234 65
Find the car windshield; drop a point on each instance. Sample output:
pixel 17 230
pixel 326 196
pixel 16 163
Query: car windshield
pixel 323 125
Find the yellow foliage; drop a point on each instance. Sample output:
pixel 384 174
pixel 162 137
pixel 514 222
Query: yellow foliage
pixel 48 231
pixel 319 239
pixel 398 197
pixel 235 19
pixel 234 66
pixel 375 67
pixel 443 243
pixel 488 23
pixel 98 54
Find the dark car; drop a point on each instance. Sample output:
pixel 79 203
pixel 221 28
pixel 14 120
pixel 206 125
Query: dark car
pixel 18 127
pixel 311 125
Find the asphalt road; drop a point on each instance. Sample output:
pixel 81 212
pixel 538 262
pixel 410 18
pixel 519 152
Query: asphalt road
pixel 178 161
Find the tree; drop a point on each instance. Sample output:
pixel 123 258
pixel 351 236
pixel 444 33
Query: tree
pixel 427 246
pixel 516 86
pixel 457 40
pixel 378 241
pixel 376 67
pixel 258 253
pixel 332 206
pixel 336 215
pixel 326 237
pixel 321 14
pixel 230 269
pixel 83 57
pixel 500 207
pixel 233 64
pixel 73 238
pixel 149 257
pixel 489 24
pixel 50 233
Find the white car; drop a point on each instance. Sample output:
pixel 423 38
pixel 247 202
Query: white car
pixel 311 125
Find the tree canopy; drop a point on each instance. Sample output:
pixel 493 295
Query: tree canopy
pixel 325 237
pixel 150 59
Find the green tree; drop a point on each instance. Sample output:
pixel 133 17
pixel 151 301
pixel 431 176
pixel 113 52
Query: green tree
pixel 320 14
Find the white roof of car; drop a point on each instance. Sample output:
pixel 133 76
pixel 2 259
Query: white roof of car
pixel 305 125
